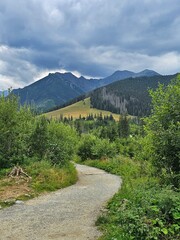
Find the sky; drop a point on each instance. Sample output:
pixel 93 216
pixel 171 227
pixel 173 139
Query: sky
pixel 92 38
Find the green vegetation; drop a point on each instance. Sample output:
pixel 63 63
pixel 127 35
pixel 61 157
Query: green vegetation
pixel 142 209
pixel 144 152
pixel 163 131
pixel 41 147
pixel 46 177
pixel 148 204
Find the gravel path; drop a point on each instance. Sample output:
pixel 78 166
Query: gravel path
pixel 67 214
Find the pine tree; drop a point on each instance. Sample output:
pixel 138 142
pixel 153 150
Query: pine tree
pixel 123 127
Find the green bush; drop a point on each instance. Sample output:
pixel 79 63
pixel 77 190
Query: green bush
pixel 144 212
pixel 39 138
pixel 104 149
pixel 127 146
pixel 15 130
pixel 163 130
pixel 92 147
pixel 85 150
pixel 62 143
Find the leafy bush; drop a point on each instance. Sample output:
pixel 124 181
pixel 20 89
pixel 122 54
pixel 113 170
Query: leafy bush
pixel 62 143
pixel 39 138
pixel 15 131
pixel 127 146
pixel 144 212
pixel 104 149
pixel 85 150
pixel 92 147
pixel 163 130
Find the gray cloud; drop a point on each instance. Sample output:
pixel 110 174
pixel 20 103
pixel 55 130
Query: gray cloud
pixel 93 37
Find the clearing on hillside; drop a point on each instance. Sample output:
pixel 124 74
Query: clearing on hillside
pixel 82 108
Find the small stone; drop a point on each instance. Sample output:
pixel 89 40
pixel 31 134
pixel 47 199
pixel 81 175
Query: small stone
pixel 19 202
pixel 27 195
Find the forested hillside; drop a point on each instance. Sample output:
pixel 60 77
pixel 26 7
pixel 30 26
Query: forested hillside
pixel 128 96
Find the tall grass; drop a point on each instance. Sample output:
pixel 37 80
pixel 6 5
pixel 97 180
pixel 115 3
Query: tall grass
pixel 46 177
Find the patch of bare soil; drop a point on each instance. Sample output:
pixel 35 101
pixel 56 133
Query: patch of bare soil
pixel 12 188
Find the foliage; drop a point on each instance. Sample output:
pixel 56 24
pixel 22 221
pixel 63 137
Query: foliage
pixel 38 145
pixel 24 136
pixel 123 127
pixel 46 177
pixel 15 130
pixel 39 138
pixel 163 130
pixel 62 143
pixel 128 146
pixel 92 147
pixel 143 212
pixel 142 209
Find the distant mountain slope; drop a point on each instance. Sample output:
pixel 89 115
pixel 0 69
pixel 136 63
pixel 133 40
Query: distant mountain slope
pixel 82 108
pixel 58 88
pixel 120 75
pixel 146 73
pixel 48 92
pixel 128 96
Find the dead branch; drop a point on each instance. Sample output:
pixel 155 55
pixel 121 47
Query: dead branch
pixel 18 172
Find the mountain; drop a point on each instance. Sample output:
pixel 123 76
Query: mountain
pixel 120 75
pixel 129 96
pixel 146 73
pixel 59 88
pixel 53 90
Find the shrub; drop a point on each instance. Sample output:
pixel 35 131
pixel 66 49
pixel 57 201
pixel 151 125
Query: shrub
pixel 85 150
pixel 15 131
pixel 163 129
pixel 92 147
pixel 62 143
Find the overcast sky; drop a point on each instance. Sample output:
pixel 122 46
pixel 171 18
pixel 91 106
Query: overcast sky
pixel 88 37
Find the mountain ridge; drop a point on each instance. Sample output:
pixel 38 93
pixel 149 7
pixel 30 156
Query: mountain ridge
pixel 58 88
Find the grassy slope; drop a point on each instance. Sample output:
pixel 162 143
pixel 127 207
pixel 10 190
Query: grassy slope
pixel 80 108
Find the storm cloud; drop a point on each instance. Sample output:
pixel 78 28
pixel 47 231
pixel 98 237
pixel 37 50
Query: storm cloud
pixel 92 38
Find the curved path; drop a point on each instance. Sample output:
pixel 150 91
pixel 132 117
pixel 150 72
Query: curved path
pixel 67 214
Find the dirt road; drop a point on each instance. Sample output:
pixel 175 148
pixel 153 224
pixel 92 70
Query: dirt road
pixel 67 214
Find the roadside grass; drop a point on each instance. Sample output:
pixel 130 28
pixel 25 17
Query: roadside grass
pixel 80 108
pixel 142 209
pixel 44 178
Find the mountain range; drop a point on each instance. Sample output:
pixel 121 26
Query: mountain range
pixel 59 88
